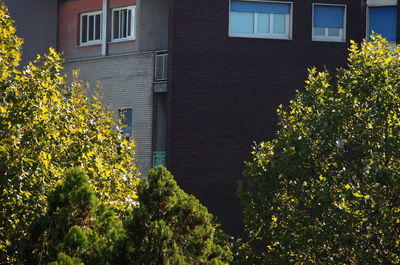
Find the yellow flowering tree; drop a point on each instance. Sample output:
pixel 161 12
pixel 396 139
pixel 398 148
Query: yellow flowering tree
pixel 47 126
pixel 327 189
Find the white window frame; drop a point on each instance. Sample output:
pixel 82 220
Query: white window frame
pixel 342 32
pixel 133 24
pixel 387 3
pixel 288 24
pixel 90 42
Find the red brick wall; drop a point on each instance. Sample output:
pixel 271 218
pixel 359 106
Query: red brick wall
pixel 118 3
pixel 68 31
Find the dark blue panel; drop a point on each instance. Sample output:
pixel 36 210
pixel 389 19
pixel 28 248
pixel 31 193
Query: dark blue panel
pixel 260 7
pixel 383 20
pixel 326 16
pixel 126 116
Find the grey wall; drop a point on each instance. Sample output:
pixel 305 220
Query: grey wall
pixel 153 25
pixel 36 22
pixel 127 82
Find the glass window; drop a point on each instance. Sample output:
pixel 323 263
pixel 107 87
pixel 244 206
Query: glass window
pixel 159 158
pixel 383 20
pixel 329 22
pixel 260 19
pixel 90 28
pixel 123 23
pixel 125 116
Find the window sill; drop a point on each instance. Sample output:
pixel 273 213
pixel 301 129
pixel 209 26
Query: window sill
pixel 328 40
pixel 122 40
pixel 233 35
pixel 83 45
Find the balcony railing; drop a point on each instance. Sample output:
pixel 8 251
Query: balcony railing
pixel 161 66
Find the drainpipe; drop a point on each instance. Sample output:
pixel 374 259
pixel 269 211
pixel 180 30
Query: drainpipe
pixel 104 29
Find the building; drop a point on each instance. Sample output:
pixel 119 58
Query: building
pixel 230 64
pixel 30 16
pixel 122 44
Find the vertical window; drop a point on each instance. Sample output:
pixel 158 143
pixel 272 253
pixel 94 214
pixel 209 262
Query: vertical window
pixel 90 28
pixel 123 23
pixel 383 20
pixel 125 116
pixel 260 19
pixel 329 22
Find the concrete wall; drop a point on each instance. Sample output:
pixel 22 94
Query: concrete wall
pixel 36 22
pixel 127 82
pixel 153 28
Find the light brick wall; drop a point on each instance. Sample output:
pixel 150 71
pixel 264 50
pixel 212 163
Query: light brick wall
pixel 127 82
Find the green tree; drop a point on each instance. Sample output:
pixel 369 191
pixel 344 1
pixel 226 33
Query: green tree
pixel 76 225
pixel 327 189
pixel 46 127
pixel 172 227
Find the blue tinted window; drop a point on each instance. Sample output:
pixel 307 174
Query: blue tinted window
pixel 326 16
pixel 125 115
pixel 383 20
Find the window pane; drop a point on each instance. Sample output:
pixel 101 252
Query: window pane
pixel 326 16
pixel 91 27
pixel 98 27
pixel 319 31
pixel 241 22
pixel 383 20
pixel 334 32
pixel 263 23
pixel 130 22
pixel 125 115
pixel 116 25
pixel 279 23
pixel 84 29
pixel 259 7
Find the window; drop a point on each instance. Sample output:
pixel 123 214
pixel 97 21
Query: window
pixel 158 158
pixel 123 20
pixel 91 28
pixel 329 22
pixel 383 20
pixel 161 66
pixel 260 19
pixel 125 116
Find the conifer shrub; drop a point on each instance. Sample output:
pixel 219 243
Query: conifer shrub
pixel 77 227
pixel 172 227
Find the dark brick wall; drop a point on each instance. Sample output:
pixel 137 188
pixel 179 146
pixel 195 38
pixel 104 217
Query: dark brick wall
pixel 224 92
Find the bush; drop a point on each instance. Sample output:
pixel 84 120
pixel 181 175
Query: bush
pixel 327 190
pixel 46 127
pixel 172 227
pixel 76 225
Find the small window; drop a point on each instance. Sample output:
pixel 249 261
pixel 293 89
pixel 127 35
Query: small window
pixel 260 19
pixel 125 116
pixel 91 28
pixel 329 23
pixel 159 158
pixel 123 23
pixel 383 20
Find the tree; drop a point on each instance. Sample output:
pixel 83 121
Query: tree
pixel 76 225
pixel 46 127
pixel 172 227
pixel 327 189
